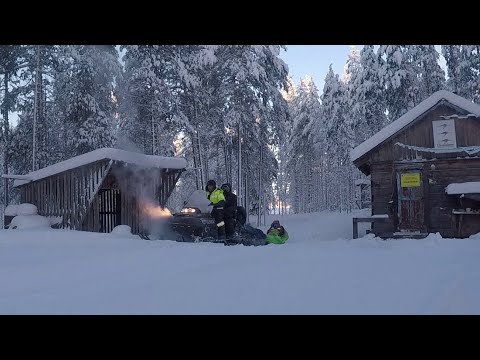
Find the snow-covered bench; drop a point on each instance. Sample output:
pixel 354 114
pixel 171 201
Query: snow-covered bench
pixel 381 218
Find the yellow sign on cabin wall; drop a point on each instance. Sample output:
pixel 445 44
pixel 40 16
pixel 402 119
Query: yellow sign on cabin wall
pixel 410 180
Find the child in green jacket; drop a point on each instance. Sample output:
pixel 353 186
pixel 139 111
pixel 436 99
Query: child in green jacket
pixel 276 234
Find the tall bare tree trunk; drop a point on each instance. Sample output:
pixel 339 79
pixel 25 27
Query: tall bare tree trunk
pixel 196 164
pixel 153 130
pixel 204 161
pixel 38 80
pixel 227 167
pixel 6 136
pixel 239 186
pixel 259 202
pixel 201 162
pixel 217 167
pixel 246 191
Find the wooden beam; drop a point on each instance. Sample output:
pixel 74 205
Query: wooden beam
pixel 173 181
pixel 16 177
pixel 366 219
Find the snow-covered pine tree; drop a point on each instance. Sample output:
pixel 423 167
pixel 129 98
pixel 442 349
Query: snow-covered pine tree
pixel 339 140
pixel 430 74
pixel 399 80
pixel 352 66
pixel 44 141
pixel 284 133
pixel 463 70
pixel 253 77
pixel 209 93
pixel 305 115
pixel 12 65
pixel 202 95
pixel 451 53
pixel 88 81
pixel 469 71
pixel 335 109
pixel 367 97
pixel 20 150
pixel 145 100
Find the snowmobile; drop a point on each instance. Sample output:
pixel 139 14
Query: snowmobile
pixel 194 223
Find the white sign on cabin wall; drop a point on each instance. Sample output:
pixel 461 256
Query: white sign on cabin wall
pixel 444 135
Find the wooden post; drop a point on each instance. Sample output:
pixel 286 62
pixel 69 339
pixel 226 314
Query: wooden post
pixel 65 196
pixel 69 198
pixel 355 228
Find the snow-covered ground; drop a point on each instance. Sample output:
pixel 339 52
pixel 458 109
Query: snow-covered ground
pixel 320 270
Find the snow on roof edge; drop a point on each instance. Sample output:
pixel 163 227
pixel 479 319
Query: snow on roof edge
pixel 410 116
pixel 472 187
pixel 101 154
pixel 362 182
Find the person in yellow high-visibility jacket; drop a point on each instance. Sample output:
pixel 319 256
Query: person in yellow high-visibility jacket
pixel 217 200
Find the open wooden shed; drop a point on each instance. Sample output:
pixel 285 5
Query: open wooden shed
pixel 425 169
pixel 101 189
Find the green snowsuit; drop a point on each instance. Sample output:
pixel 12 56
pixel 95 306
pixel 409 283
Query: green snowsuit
pixel 274 238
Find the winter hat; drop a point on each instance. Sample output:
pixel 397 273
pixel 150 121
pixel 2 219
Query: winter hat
pixel 227 187
pixel 212 182
pixel 275 224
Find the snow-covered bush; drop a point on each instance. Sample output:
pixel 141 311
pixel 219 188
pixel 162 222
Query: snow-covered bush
pixel 122 231
pixel 29 222
pixel 22 209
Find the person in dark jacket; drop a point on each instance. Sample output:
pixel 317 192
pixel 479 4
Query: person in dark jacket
pixel 230 210
pixel 217 200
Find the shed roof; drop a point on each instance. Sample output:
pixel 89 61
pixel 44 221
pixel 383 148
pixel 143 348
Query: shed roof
pixel 148 161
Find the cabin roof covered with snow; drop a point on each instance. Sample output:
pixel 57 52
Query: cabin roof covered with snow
pixel 405 120
pixel 148 161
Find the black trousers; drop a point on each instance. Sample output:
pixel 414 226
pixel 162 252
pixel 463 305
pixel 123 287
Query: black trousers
pixel 219 222
pixel 229 226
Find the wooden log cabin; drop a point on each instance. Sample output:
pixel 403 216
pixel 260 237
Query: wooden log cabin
pixel 425 169
pixel 101 189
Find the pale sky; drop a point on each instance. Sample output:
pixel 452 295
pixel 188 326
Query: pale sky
pixel 314 60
